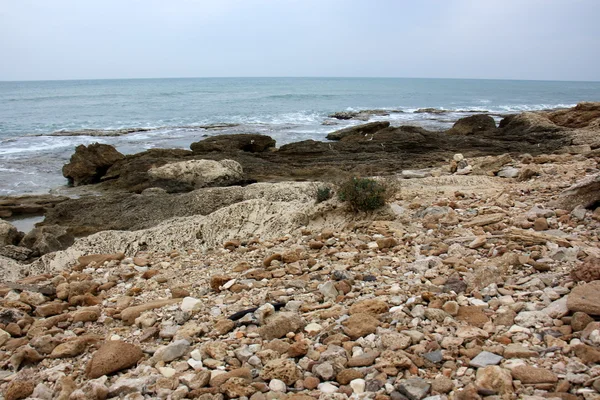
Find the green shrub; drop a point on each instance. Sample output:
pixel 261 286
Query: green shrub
pixel 363 194
pixel 323 194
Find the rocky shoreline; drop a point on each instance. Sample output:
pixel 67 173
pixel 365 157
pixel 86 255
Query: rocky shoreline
pixel 211 273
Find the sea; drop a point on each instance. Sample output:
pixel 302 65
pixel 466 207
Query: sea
pixel 41 122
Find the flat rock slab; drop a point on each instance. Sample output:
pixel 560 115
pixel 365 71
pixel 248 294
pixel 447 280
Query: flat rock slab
pixel 484 359
pixel 414 388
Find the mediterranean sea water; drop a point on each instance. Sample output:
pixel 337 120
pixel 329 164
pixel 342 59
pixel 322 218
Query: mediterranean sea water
pixel 41 122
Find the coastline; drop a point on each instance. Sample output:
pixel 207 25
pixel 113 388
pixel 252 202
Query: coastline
pixel 478 276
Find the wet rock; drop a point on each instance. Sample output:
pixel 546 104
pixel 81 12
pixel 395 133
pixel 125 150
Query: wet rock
pixel 89 163
pixel 251 143
pixel 111 357
pixel 585 298
pixel 472 125
pixel 365 129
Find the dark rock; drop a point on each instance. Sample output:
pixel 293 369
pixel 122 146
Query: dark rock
pixel 414 388
pixel 252 143
pixel 130 211
pixel 434 356
pixel 47 239
pixel 90 163
pixel 30 204
pixel 472 125
pixel 15 252
pixel 365 129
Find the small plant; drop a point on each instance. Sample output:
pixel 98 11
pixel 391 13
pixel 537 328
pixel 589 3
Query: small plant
pixel 323 194
pixel 363 194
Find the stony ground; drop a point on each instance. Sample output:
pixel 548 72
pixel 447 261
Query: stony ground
pixel 472 287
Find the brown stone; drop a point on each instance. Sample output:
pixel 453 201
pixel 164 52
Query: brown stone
pixel 311 382
pixel 345 376
pixel 50 309
pixel 360 324
pixel 87 314
pixel 528 375
pixel 19 389
pixel 280 324
pixel 129 314
pixel 282 369
pixel 179 293
pixel 587 354
pixel 99 259
pixel 472 315
pixel 216 281
pixel 540 224
pixel 588 271
pixel 71 348
pixel 243 373
pixel 224 326
pixel 518 351
pixel 235 388
pixel 363 360
pixel 585 298
pixel 113 356
pixel 298 349
pixel 387 243
pixel 369 306
pixel 495 379
pixel 580 320
pixel 267 261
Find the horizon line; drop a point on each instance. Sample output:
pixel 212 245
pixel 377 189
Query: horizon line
pixel 292 77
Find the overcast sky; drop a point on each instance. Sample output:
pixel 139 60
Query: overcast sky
pixel 508 39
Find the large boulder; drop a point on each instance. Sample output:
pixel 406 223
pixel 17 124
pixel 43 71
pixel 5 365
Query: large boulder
pixel 364 129
pixel 89 163
pixel 8 234
pixel 201 173
pixel 47 239
pixel 248 142
pixel 473 124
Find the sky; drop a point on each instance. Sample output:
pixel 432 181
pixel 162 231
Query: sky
pixel 495 39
